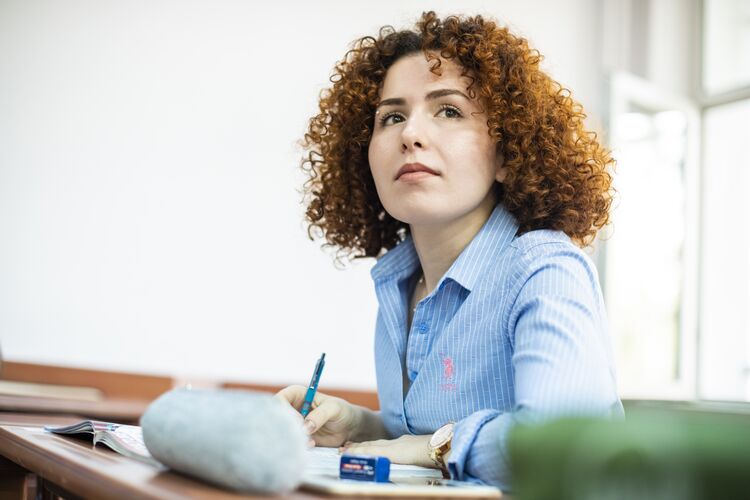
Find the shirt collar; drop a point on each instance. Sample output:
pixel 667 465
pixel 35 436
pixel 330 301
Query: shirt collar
pixel 492 238
pixel 499 230
pixel 399 262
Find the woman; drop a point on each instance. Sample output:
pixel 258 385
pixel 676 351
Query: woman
pixel 450 156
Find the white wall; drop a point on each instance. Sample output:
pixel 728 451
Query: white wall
pixel 149 213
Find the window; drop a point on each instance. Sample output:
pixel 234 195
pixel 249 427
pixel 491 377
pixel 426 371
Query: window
pixel 726 45
pixel 724 334
pixel 651 262
pixel 725 277
pixel 677 263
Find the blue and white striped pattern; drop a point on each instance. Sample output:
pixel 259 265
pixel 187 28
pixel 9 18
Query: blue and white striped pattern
pixel 515 329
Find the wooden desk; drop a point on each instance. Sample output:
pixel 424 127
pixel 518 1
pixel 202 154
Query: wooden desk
pixel 77 467
pixel 126 395
pixel 32 460
pixel 122 410
pixel 114 385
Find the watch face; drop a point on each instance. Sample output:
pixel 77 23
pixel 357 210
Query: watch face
pixel 441 435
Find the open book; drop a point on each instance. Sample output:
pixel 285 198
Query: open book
pixel 124 439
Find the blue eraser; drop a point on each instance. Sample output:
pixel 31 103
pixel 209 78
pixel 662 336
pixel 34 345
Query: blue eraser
pixel 365 468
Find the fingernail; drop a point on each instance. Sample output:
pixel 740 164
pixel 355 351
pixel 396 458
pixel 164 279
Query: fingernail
pixel 311 443
pixel 309 426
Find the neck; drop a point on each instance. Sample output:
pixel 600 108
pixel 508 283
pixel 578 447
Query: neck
pixel 438 245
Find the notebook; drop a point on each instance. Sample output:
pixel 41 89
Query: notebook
pixel 322 473
pixel 124 439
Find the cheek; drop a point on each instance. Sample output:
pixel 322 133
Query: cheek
pixel 475 152
pixel 487 155
pixel 376 156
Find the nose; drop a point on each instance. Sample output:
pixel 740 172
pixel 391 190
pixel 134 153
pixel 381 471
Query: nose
pixel 412 135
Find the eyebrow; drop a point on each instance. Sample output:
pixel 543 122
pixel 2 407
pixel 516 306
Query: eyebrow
pixel 435 94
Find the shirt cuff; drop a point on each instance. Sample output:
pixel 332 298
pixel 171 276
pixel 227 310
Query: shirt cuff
pixel 464 435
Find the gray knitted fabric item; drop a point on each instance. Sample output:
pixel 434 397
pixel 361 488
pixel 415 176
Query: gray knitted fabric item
pixel 242 440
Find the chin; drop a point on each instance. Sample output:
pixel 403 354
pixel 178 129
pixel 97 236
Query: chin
pixel 422 214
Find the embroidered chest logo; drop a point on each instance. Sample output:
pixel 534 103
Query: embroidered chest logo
pixel 449 382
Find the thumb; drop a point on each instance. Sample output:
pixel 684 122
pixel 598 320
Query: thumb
pixel 329 409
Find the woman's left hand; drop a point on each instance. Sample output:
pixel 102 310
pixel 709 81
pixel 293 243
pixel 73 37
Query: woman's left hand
pixel 407 449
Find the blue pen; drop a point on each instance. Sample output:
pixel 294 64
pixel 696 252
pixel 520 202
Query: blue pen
pixel 313 387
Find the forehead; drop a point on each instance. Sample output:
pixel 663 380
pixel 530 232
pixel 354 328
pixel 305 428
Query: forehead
pixel 412 74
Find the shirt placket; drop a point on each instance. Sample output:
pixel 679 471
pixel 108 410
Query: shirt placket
pixel 420 338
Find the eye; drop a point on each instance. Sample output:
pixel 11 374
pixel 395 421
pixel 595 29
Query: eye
pixel 449 111
pixel 391 118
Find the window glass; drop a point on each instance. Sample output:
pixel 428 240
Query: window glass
pixel 644 255
pixel 725 276
pixel 726 45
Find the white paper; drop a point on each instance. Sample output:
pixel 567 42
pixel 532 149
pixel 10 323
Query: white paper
pixel 325 461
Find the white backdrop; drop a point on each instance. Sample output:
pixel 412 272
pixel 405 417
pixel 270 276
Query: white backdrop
pixel 150 218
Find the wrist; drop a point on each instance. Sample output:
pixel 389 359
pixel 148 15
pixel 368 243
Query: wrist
pixel 355 429
pixel 440 447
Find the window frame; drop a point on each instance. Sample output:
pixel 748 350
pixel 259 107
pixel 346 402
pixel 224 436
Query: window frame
pixel 705 101
pixel 627 90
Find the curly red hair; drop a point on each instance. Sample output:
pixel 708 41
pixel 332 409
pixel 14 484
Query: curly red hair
pixel 557 173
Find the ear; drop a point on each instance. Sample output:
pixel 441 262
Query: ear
pixel 500 171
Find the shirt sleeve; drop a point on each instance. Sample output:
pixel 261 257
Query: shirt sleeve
pixel 562 361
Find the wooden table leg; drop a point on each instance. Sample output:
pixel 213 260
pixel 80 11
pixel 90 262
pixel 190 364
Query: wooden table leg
pixel 50 491
pixel 16 482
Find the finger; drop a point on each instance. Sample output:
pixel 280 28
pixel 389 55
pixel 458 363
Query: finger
pixel 294 395
pixel 320 414
pixel 361 450
pixel 380 448
pixel 364 448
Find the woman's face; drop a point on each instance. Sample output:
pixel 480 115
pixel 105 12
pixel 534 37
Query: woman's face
pixel 431 155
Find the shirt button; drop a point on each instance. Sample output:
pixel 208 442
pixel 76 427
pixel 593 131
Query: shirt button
pixel 422 328
pixel 412 375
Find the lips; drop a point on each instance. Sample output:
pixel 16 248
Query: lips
pixel 414 167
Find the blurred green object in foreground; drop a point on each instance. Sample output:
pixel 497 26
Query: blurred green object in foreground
pixel 656 453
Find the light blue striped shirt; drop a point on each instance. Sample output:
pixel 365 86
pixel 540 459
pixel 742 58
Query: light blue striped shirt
pixel 515 330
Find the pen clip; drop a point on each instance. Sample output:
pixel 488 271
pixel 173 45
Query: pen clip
pixel 318 368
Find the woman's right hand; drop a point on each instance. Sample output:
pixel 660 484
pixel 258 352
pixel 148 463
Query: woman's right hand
pixel 331 422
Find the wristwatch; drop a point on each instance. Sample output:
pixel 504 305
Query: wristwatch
pixel 440 444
